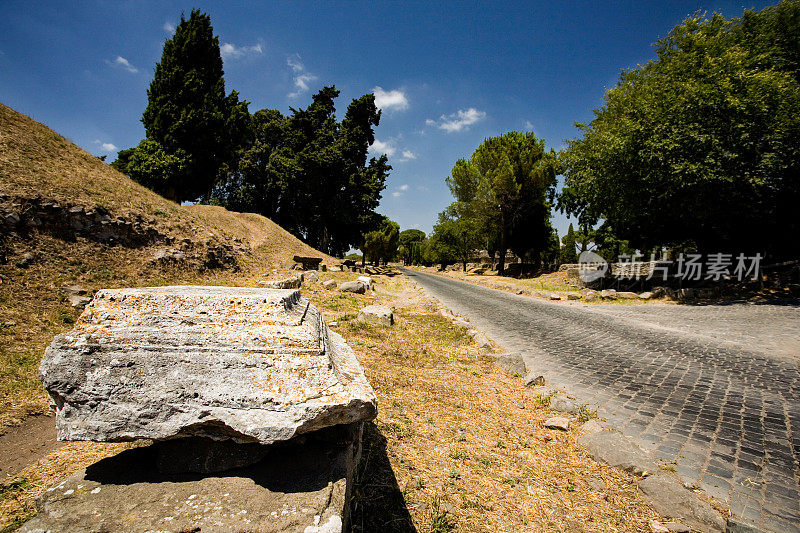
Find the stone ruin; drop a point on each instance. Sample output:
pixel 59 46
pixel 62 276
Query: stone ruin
pixel 254 408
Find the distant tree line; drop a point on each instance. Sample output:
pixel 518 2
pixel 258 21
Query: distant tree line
pixel 307 171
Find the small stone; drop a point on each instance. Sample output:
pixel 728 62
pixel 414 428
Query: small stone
pixel 608 294
pixel 646 295
pixel 461 323
pixel 482 341
pixel 670 499
pixel 367 281
pixel 596 484
pixel 511 363
pixel 78 301
pixel 376 314
pixel 353 286
pixel 591 426
pixel 561 403
pixel 573 296
pixel 657 527
pixel 329 284
pixel 627 295
pixel 312 276
pixel 591 296
pixel 521 405
pixel 557 422
pixel 555 296
pixel 532 380
pixel 288 283
pixel 618 451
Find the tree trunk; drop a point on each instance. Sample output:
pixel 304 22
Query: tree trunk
pixel 501 266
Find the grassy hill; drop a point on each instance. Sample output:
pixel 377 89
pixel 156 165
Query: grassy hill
pixel 41 170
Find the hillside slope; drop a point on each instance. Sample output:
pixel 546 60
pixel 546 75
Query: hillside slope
pixel 69 223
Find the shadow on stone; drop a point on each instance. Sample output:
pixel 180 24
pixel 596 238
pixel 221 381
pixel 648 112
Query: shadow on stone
pixel 378 503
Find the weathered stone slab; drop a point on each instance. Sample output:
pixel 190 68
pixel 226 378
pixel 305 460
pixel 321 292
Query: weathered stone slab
pixel 302 485
pixel 618 451
pixel 353 286
pixel 672 500
pixel 376 314
pixel 246 364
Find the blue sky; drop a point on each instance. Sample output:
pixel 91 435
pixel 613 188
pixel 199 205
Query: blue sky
pixel 447 75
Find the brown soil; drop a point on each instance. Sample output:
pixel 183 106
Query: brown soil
pixel 25 444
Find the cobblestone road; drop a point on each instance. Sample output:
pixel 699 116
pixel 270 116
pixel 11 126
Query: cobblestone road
pixel 713 390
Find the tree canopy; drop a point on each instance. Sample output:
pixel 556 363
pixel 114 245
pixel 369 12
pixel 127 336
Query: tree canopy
pixel 189 121
pixel 309 173
pixel 700 145
pixel 505 189
pixel 381 244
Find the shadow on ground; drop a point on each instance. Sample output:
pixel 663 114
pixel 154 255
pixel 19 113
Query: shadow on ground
pixel 378 503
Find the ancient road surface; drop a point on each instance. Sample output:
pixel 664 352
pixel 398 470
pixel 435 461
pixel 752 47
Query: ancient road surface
pixel 713 389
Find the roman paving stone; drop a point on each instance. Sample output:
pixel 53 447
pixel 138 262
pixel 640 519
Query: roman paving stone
pixel 718 384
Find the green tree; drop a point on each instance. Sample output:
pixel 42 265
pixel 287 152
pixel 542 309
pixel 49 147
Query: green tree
pixel 188 112
pixel 505 188
pixel 381 244
pixel 310 174
pixel 699 147
pixel 454 239
pixel 410 240
pixel 153 167
pixel 568 251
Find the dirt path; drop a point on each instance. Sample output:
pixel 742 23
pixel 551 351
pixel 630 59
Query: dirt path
pixel 25 444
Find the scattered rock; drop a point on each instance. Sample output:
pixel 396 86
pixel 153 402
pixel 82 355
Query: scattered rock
pixel 520 405
pixel 288 283
pixel 563 404
pixel 461 323
pixel 511 362
pixel 240 363
pixel 591 426
pixel 75 289
pixel 367 281
pixel 27 259
pixel 353 286
pixel 646 295
pixel 76 300
pixel 533 380
pixel 482 341
pixel 329 284
pixel 618 451
pixel 557 422
pixel 627 295
pixel 590 296
pixel 657 527
pixel 376 314
pixel 573 296
pixel 311 276
pixel 608 294
pixel 554 296
pixel 670 499
pixel 165 256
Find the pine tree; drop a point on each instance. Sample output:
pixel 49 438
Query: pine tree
pixel 188 113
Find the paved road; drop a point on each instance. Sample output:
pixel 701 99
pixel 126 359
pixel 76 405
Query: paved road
pixel 714 388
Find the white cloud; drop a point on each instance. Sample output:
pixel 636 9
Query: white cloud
pixel 407 155
pixel 380 147
pixel 404 187
pixel 458 121
pixel 397 194
pixel 529 125
pixel 123 63
pixel 301 78
pixel 390 100
pixel 106 147
pixel 169 27
pixel 231 51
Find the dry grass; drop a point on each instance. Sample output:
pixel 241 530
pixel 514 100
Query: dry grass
pixel 458 442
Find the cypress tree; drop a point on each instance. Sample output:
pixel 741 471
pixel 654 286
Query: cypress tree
pixel 188 113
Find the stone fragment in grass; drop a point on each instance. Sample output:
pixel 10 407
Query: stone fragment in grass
pixel 534 380
pixel 627 295
pixel 330 284
pixel 608 294
pixel 557 422
pixel 670 499
pixel 573 296
pixel 618 451
pixel 511 362
pixel 353 286
pixel 293 282
pixel 376 314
